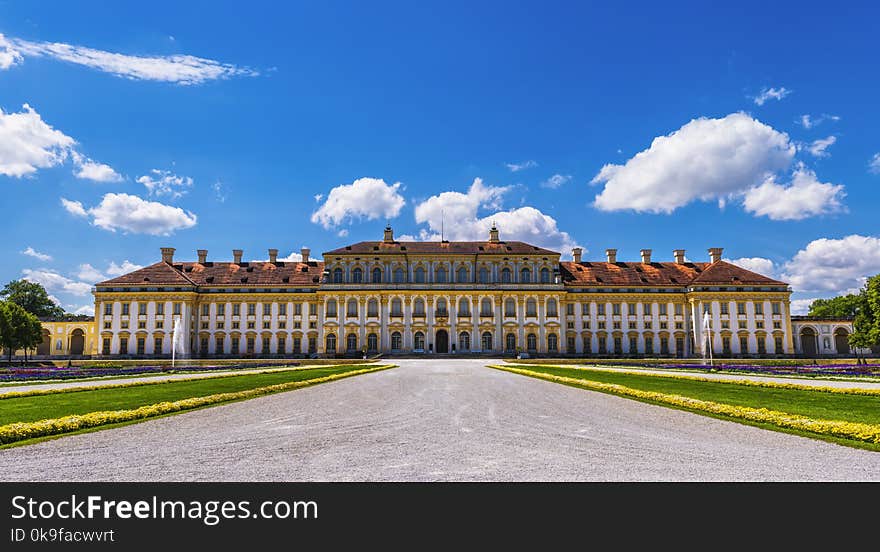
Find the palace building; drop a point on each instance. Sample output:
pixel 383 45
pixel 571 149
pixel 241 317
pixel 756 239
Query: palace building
pixel 443 297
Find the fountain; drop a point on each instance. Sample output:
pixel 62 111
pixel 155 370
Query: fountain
pixel 176 341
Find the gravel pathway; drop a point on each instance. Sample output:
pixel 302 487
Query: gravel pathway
pixel 438 420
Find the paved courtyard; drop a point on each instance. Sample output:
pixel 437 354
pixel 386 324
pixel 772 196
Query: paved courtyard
pixel 438 420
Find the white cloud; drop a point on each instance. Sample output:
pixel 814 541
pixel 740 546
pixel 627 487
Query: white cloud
pixel 92 170
pixel 31 252
pixel 801 306
pixel 127 266
pixel 369 198
pixel 760 265
pixel 834 265
pixel 178 69
pixel 90 273
pixel 874 164
pixel 319 197
pixel 458 215
pixel 556 181
pixel 771 94
pixel 85 309
pixel 27 143
pixel 9 56
pixel 54 282
pixel 342 233
pixel 132 214
pixel 219 191
pixel 160 183
pixel 706 159
pixel 516 167
pixel 818 148
pixel 809 122
pixel 804 197
pixel 74 207
pixel 294 257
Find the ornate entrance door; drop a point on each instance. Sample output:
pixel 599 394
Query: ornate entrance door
pixel 442 341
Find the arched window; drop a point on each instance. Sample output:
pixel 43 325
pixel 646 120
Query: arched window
pixel 531 308
pixel 551 308
pixel 464 341
pixel 441 307
pixel 486 307
pixel 372 342
pixel 330 343
pixel 377 275
pixel 419 341
pixel 462 277
pixel 396 342
pixel 396 307
pixel 505 275
pixel 357 275
pixel 398 276
pixel 351 342
pixel 419 307
pixel 331 308
pixel 486 341
pixel 420 275
pixel 545 276
pixel 352 308
pixel 441 275
pixel 337 275
pixel 552 343
pixel 372 308
pixel 509 307
pixel 531 343
pixel 464 307
pixel 484 275
pixel 510 343
pixel 525 276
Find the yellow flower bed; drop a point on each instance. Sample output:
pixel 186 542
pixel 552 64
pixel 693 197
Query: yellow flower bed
pixel 753 383
pixel 847 430
pixel 36 392
pixel 19 431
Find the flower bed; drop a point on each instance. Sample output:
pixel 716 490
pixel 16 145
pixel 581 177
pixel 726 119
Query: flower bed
pixel 31 374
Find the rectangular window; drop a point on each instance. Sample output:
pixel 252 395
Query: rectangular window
pixel 124 324
pixel 585 309
pixel 142 308
pixel 762 346
pixel 267 325
pixel 141 345
pixel 206 310
pixel 633 345
pixel 266 345
pixel 251 343
pixel 123 345
pixel 725 308
pixel 313 345
pixel 618 346
pixel 600 309
pixel 649 345
pixel 313 325
pixel 777 325
pixel 252 309
pixel 778 344
pixel 569 325
pixel 759 309
pixel 631 309
pixel 679 325
pixel 160 324
pixel 125 307
pixel 615 308
pixel 777 308
pixel 236 309
pixel 157 346
pixel 221 325
pixel 725 345
pixel 743 325
pixel 108 325
pixel 602 346
pixel 235 324
pixel 297 325
pixel 204 324
pixel 663 325
pixel 282 324
pixel 142 325
pixel 662 309
pixel 569 309
pixel 282 309
pixel 588 345
pixel 160 309
pixel 105 346
pixel 108 309
pixel 725 325
pixel 664 345
pixel 601 324
pixel 313 309
pixel 251 325
pixel 615 325
pixel 218 346
pixel 585 325
pixel 632 325
pixel 647 308
pixel 679 309
pixel 297 345
pixel 740 308
pixel 744 345
pixel 759 324
pixel 282 345
pixel 177 308
pixel 221 309
pixel 297 309
pixel 267 309
pixel 235 342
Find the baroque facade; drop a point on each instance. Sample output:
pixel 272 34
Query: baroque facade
pixel 489 297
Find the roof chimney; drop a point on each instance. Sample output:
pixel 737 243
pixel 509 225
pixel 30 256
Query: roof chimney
pixel 715 254
pixel 576 253
pixel 168 255
pixel 679 256
pixel 646 256
pixel 273 256
pixel 493 234
pixel 389 235
pixel 305 254
pixel 203 255
pixel 612 255
pixel 236 256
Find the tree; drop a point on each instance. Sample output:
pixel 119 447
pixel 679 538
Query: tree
pixel 843 306
pixel 32 297
pixel 866 326
pixel 19 329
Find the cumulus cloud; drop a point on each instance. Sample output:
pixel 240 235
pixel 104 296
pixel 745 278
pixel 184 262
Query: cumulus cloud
pixel 706 159
pixel 294 257
pixel 132 214
pixel 834 265
pixel 819 148
pixel 459 216
pixel 771 94
pixel 556 181
pixel 762 266
pixel 809 122
pixel 874 164
pixel 85 309
pixel 806 196
pixel 801 306
pixel 369 198
pixel 516 167
pixel 55 282
pixel 89 273
pixel 127 266
pixel 88 169
pixel 27 143
pixel 31 252
pixel 178 69
pixel 160 183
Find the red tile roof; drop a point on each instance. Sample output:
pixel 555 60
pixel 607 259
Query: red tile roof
pixel 446 247
pixel 224 274
pixel 597 274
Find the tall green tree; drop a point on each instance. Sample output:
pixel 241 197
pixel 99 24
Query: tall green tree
pixel 866 326
pixel 32 297
pixel 836 307
pixel 19 329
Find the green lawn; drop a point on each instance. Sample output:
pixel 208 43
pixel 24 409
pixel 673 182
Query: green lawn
pixel 29 409
pixel 812 404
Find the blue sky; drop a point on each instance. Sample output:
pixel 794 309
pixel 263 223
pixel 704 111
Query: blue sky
pixel 128 128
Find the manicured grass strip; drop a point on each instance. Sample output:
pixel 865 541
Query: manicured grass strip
pixel 19 431
pixel 869 433
pixel 755 383
pixel 806 402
